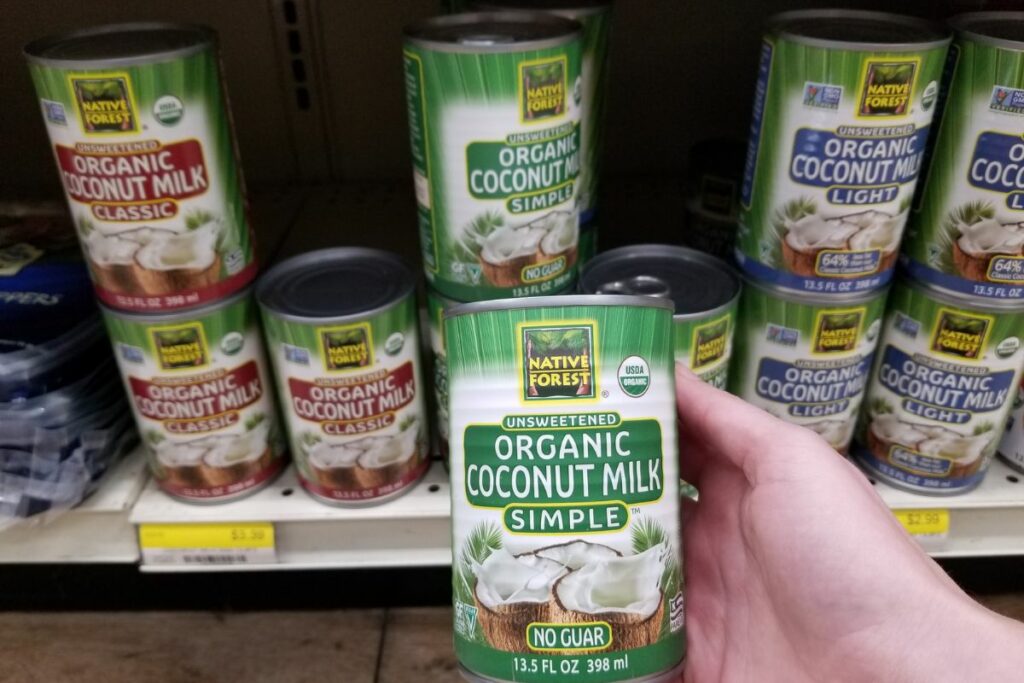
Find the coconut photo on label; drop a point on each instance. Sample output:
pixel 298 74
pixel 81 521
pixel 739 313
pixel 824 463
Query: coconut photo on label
pixel 567 550
pixel 497 155
pixel 146 155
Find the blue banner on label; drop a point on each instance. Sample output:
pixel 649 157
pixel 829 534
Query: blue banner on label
pixel 800 283
pixel 811 392
pixel 917 481
pixel 953 283
pixel 764 68
pixel 997 165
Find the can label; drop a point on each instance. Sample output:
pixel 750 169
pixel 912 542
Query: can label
pixel 565 493
pixel 436 306
pixel 596 29
pixel 496 157
pixel 355 415
pixel 967 235
pixel 704 345
pixel 836 144
pixel 199 388
pixel 1012 445
pixel 147 160
pixel 806 364
pixel 940 393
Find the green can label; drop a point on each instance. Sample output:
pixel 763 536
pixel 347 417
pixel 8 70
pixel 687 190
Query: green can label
pixel 967 235
pixel 704 344
pixel 804 363
pixel 201 393
pixel 596 30
pixel 436 306
pixel 147 159
pixel 836 144
pixel 353 403
pixel 940 393
pixel 565 493
pixel 496 146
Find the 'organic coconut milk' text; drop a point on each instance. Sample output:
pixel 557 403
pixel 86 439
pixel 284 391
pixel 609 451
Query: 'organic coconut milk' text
pixel 567 548
pixel 836 145
pixel 146 156
pixel 940 392
pixel 806 363
pixel 199 387
pixel 496 155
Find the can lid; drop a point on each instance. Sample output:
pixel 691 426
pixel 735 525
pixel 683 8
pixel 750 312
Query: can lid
pixel 330 284
pixel 858 30
pixel 557 301
pixel 566 8
pixel 120 44
pixel 693 281
pixel 1002 29
pixel 493 32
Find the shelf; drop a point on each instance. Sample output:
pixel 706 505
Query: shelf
pixel 410 531
pixel 96 532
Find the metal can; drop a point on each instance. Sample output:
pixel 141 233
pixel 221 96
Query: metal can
pixel 142 138
pixel 494 103
pixel 342 331
pixel 200 390
pixel 1011 447
pixel 842 112
pixel 567 552
pixel 804 359
pixel 436 307
pixel 596 18
pixel 967 236
pixel 704 291
pixel 941 390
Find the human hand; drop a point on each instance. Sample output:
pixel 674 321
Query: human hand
pixel 797 571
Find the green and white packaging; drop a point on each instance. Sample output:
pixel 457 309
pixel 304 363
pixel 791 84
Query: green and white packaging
pixel 565 490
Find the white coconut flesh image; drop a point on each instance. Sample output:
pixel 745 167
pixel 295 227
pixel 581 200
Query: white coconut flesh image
pixel 964 451
pixel 508 244
pixel 623 591
pixel 876 230
pixel 512 592
pixel 836 432
pixel 562 234
pixel 325 456
pixel 576 554
pixel 192 250
pixel 176 454
pixel 390 450
pixel 814 232
pixel 989 236
pixel 237 449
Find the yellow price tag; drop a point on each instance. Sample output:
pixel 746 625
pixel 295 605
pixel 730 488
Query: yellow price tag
pixel 245 535
pixel 924 522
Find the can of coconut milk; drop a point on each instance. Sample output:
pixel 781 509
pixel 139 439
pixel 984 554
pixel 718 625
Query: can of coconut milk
pixel 494 102
pixel 565 489
pixel 842 112
pixel 436 307
pixel 941 390
pixel 704 290
pixel 200 389
pixel 804 359
pixel 142 138
pixel 1011 447
pixel 342 333
pixel 596 18
pixel 968 234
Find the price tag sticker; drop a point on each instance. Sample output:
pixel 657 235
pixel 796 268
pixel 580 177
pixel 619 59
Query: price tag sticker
pixel 924 524
pixel 238 543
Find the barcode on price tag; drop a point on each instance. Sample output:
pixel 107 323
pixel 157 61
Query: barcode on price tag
pixel 924 524
pixel 211 544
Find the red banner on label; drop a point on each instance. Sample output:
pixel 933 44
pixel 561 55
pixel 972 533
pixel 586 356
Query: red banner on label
pixel 197 406
pixel 355 408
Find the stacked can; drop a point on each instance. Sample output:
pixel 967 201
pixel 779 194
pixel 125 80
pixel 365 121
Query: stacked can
pixel 495 101
pixel 714 170
pixel 842 113
pixel 138 119
pixel 950 365
pixel 595 16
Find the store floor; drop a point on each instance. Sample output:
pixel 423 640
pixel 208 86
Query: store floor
pixel 397 645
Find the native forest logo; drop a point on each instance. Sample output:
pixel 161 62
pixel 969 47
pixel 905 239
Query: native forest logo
pixel 345 348
pixel 181 347
pixel 558 362
pixel 542 89
pixel 105 104
pixel 837 331
pixel 709 342
pixel 887 88
pixel 961 334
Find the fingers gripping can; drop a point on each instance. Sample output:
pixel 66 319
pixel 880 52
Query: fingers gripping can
pixel 842 112
pixel 967 234
pixel 343 338
pixel 943 385
pixel 142 138
pixel 704 291
pixel 565 490
pixel 804 359
pixel 200 388
pixel 494 105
